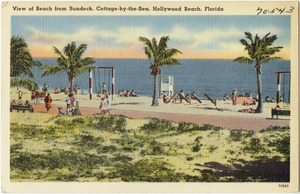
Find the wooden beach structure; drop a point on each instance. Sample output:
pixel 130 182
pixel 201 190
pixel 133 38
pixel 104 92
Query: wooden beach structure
pixel 111 78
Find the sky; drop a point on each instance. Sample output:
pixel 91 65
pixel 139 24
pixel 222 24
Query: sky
pixel 197 37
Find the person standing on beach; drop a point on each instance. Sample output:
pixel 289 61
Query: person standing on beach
pixel 233 97
pixel 107 104
pixel 181 95
pixel 72 99
pixel 75 89
pixel 69 103
pixel 20 93
pixel 102 106
pixel 48 101
pixel 103 88
pixel 45 88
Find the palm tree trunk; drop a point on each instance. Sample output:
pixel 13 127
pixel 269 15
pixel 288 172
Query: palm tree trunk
pixel 155 93
pixel 71 84
pixel 259 108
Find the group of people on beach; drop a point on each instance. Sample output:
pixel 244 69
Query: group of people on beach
pixel 20 102
pixel 126 93
pixel 179 97
pixel 272 100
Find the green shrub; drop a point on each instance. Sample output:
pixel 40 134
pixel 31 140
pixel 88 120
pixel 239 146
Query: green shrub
pixel 153 148
pixel 254 146
pixel 88 140
pixel 107 123
pixel 54 163
pixel 196 148
pixel 148 170
pixel 239 135
pixel 275 129
pixel 189 158
pixel 212 148
pixel 121 158
pixel 158 126
pixel 107 149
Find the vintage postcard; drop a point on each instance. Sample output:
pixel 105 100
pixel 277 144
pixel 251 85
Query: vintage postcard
pixel 150 96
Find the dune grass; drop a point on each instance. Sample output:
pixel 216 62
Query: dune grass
pixel 103 148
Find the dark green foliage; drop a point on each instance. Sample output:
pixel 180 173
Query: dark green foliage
pixel 121 158
pixel 238 135
pixel 108 123
pixel 120 124
pixel 274 129
pixel 283 146
pixel 254 146
pixel 212 148
pixel 280 141
pixel 188 127
pixel 210 177
pixel 208 127
pixel 88 140
pixel 36 131
pixel 106 149
pixel 185 127
pixel 196 148
pixel 55 160
pixel 85 155
pixel 153 148
pixel 148 170
pixel 158 126
pixel 197 140
pixel 128 143
pixel 15 147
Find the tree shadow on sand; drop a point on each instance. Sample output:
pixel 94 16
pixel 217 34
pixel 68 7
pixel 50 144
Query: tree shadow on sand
pixel 270 170
pixel 127 103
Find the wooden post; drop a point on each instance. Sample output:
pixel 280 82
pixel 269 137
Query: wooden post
pixel 90 83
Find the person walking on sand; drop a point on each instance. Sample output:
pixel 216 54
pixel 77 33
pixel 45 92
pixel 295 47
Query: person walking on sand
pixel 233 97
pixel 20 93
pixel 181 95
pixel 107 104
pixel 48 101
pixel 102 106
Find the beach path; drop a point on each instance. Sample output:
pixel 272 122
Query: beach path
pixel 229 122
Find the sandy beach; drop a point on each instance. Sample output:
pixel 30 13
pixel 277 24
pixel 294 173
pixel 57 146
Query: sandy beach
pixel 224 114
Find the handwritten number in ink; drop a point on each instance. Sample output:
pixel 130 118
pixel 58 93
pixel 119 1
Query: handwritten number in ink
pixel 274 11
pixel 290 10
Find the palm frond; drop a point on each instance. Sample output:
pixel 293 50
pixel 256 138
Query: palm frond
pixel 78 52
pixel 56 51
pixel 148 47
pixel 51 70
pixel 163 43
pixel 271 59
pixel 22 82
pixel 249 36
pixel 243 60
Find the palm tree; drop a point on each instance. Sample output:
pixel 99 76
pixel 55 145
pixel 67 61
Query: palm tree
pixel 21 63
pixel 69 61
pixel 260 52
pixel 160 56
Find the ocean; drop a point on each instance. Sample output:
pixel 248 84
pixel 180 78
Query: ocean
pixel 213 77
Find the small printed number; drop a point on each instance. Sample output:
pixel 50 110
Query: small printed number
pixel 283 185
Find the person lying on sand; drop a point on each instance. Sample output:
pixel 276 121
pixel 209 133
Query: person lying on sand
pixel 247 110
pixel 132 94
